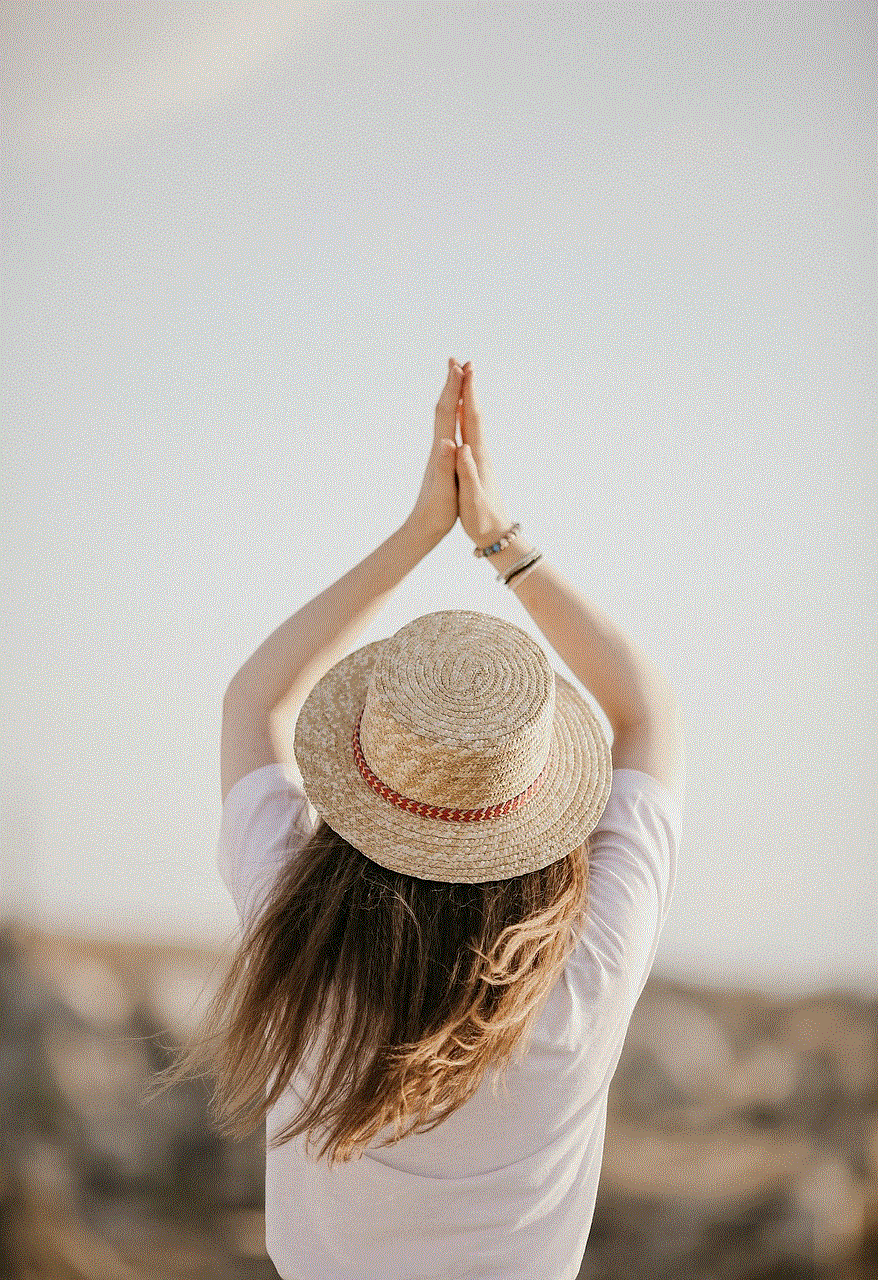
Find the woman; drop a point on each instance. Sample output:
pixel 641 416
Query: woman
pixel 468 876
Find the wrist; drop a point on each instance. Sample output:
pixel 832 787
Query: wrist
pixel 502 561
pixel 418 537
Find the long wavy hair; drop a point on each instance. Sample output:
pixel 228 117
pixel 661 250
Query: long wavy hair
pixel 422 985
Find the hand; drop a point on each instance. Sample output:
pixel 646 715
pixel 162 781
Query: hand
pixel 480 506
pixel 435 511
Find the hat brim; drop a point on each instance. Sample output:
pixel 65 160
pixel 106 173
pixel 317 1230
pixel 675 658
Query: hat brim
pixel 560 815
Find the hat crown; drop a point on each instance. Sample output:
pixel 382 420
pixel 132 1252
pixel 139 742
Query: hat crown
pixel 459 710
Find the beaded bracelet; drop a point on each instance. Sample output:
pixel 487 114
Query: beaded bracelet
pixel 499 545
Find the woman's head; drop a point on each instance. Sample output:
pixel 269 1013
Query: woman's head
pixel 453 751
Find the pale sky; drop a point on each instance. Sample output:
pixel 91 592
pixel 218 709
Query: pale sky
pixel 240 243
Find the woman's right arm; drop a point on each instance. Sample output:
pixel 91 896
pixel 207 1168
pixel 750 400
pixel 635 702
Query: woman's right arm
pixel 639 702
pixel 627 685
pixel 643 710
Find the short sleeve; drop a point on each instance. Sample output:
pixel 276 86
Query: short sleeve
pixel 632 874
pixel 266 817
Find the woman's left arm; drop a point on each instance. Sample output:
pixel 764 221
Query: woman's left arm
pixel 307 645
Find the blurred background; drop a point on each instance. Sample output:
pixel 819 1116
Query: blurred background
pixel 240 243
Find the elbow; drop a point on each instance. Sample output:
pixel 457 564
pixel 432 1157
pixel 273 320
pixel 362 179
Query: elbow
pixel 235 691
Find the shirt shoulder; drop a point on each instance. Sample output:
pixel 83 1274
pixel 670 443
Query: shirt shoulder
pixel 634 856
pixel 266 818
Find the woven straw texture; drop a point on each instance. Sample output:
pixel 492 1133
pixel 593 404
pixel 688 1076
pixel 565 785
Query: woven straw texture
pixel 462 711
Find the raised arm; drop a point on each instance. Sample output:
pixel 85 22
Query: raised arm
pixel 294 657
pixel 642 708
pixel 637 699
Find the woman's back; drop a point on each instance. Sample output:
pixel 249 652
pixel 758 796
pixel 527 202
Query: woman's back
pixel 505 1186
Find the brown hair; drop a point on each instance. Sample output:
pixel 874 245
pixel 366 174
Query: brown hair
pixel 423 984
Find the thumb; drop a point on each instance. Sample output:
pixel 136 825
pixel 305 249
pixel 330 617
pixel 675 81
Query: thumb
pixel 447 450
pixel 466 463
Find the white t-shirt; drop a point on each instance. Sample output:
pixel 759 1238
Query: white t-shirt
pixel 505 1188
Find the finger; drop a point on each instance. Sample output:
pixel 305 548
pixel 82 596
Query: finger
pixel 470 421
pixel 446 408
pixel 466 464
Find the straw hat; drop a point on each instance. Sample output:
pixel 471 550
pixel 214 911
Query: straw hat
pixel 453 751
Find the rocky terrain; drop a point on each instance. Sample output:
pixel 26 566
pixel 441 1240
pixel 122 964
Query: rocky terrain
pixel 742 1136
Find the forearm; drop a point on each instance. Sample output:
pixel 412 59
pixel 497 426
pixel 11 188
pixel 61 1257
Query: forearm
pixel 324 630
pixel 623 680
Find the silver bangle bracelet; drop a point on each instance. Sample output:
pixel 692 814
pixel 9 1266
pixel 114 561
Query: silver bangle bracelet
pixel 504 575
pixel 530 568
pixel 516 574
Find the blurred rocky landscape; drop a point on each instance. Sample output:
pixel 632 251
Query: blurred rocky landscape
pixel 742 1135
